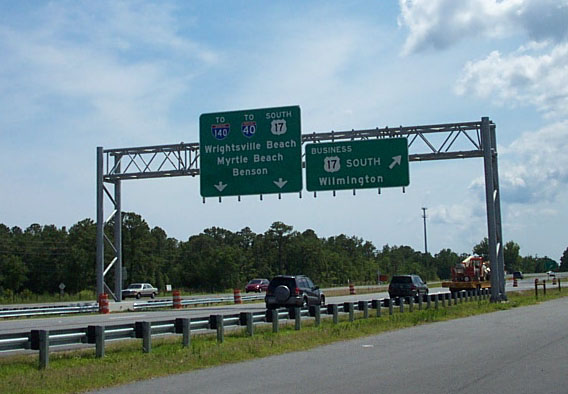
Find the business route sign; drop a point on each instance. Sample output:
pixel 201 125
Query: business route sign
pixel 357 164
pixel 257 151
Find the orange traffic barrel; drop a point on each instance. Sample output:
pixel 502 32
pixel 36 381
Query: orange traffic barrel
pixel 103 303
pixel 352 289
pixel 237 296
pixel 177 299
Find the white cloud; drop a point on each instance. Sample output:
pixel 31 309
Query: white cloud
pixel 534 168
pixel 521 79
pixel 123 64
pixel 439 24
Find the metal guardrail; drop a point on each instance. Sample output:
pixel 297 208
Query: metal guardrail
pixel 94 307
pixel 55 310
pixel 194 301
pixel 43 340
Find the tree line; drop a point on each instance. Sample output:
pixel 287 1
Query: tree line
pixel 36 260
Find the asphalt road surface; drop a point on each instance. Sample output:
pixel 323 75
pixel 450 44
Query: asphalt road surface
pixel 522 350
pixel 62 322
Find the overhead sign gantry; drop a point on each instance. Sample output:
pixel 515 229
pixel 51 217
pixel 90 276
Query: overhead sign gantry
pixel 273 145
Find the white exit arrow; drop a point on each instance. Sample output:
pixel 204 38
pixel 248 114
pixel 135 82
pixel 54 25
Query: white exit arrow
pixel 395 160
pixel 280 183
pixel 220 186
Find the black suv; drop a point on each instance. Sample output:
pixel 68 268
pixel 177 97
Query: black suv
pixel 407 286
pixel 293 291
pixel 518 275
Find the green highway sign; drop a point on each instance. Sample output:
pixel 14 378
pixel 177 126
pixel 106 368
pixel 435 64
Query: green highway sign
pixel 257 151
pixel 357 164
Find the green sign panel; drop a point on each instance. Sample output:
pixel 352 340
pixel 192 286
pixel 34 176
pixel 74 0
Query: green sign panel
pixel 257 151
pixel 357 164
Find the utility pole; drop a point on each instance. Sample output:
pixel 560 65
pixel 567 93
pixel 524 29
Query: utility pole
pixel 425 239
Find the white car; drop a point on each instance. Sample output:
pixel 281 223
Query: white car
pixel 551 274
pixel 139 290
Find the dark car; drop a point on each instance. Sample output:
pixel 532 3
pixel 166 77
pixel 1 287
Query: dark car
pixel 257 285
pixel 518 275
pixel 293 291
pixel 139 290
pixel 407 286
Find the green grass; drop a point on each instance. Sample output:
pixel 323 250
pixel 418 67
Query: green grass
pixel 124 362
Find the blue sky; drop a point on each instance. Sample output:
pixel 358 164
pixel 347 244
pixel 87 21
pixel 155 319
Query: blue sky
pixel 79 74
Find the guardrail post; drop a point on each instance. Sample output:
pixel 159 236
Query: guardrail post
pixel 183 326
pixel 411 304
pixel 275 325
pixel 315 311
pixel 376 304
pixel 348 307
pixel 559 289
pixel 250 324
pixel 443 297
pixel 401 304
pixel 146 336
pixel 420 301
pixel 455 297
pixel 364 306
pixel 391 307
pixel 332 308
pixel 96 335
pixel 99 341
pixel 43 336
pixel 436 297
pixel 544 287
pixel 220 328
pixel 536 288
pixel 429 301
pixel 297 318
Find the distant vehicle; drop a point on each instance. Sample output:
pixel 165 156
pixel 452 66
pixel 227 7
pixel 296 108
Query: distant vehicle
pixel 518 275
pixel 293 291
pixel 407 286
pixel 257 285
pixel 138 290
pixel 551 274
pixel 472 273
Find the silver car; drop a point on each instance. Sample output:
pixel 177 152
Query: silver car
pixel 139 290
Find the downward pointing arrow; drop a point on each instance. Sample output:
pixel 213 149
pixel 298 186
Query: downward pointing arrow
pixel 220 186
pixel 280 183
pixel 395 160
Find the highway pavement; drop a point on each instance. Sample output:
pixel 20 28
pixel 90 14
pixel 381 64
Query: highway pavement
pixel 75 321
pixel 521 350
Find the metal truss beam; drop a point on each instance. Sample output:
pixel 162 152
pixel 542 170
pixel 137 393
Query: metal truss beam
pixel 425 143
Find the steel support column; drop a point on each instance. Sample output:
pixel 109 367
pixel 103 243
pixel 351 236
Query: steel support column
pixel 498 226
pixel 489 161
pixel 100 223
pixel 117 235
